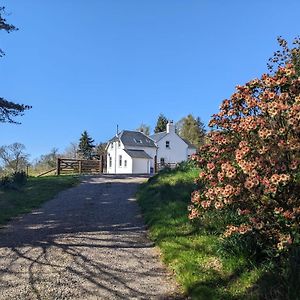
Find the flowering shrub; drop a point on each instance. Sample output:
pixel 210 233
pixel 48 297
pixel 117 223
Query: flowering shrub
pixel 251 160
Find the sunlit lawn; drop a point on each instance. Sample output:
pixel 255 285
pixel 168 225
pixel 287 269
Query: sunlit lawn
pixel 36 191
pixel 193 255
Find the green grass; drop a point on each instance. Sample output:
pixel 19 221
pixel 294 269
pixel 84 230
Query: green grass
pixel 36 191
pixel 193 254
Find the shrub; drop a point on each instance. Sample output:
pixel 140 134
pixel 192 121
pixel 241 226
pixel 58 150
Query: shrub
pixel 250 164
pixel 14 180
pixel 19 178
pixel 5 181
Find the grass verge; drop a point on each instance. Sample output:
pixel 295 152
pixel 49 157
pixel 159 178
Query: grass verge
pixel 192 253
pixel 36 191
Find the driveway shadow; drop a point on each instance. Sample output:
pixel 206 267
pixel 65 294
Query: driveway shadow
pixel 87 243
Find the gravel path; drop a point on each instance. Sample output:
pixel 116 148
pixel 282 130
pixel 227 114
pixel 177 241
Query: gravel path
pixel 87 243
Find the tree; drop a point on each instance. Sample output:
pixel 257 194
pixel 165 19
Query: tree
pixel 250 165
pixel 161 124
pixel 47 161
pixel 100 150
pixel 8 109
pixel 14 157
pixel 191 129
pixel 145 129
pixel 71 151
pixel 86 146
pixel 285 55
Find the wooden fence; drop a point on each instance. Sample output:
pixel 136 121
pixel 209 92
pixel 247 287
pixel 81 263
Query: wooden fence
pixel 78 166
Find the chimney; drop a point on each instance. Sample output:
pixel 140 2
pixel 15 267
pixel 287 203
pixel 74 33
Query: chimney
pixel 170 127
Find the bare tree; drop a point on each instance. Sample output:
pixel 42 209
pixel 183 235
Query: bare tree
pixel 14 157
pixel 145 129
pixel 71 151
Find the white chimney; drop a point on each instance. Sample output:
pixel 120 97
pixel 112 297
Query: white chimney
pixel 170 127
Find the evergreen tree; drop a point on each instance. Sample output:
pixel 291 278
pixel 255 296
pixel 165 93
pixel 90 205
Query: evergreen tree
pixel 161 124
pixel 191 129
pixel 86 146
pixel 8 109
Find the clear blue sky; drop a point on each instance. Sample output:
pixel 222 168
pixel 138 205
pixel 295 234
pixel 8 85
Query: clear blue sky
pixel 90 65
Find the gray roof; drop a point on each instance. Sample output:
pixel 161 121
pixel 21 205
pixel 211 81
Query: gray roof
pixel 134 139
pixel 158 136
pixel 137 153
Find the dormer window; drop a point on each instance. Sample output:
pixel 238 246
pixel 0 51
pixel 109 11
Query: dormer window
pixel 168 144
pixel 138 141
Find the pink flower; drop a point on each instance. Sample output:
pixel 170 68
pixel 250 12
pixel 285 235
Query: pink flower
pixel 219 205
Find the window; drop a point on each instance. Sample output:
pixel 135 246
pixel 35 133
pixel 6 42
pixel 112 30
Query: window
pixel 168 144
pixel 110 161
pixel 112 145
pixel 120 160
pixel 125 163
pixel 119 144
pixel 162 161
pixel 138 141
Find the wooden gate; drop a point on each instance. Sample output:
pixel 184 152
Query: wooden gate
pixel 78 166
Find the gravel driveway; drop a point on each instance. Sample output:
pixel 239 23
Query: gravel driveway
pixel 87 243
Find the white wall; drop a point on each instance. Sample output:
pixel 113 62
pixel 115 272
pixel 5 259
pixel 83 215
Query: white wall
pixel 151 151
pixel 114 153
pixel 177 152
pixel 133 165
pixel 191 151
pixel 141 166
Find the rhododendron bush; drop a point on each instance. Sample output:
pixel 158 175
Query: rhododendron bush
pixel 251 160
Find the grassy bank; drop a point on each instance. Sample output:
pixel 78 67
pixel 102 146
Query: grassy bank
pixel 14 202
pixel 193 254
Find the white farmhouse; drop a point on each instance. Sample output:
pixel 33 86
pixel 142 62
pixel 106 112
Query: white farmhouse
pixel 172 148
pixel 132 152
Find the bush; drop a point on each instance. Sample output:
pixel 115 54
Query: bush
pixel 5 181
pixel 19 178
pixel 13 181
pixel 250 165
pixel 185 166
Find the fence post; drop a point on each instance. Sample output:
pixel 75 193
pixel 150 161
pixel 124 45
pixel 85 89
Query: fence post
pixel 80 166
pixel 101 164
pixel 58 166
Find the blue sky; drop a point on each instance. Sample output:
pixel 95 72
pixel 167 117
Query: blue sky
pixel 90 65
